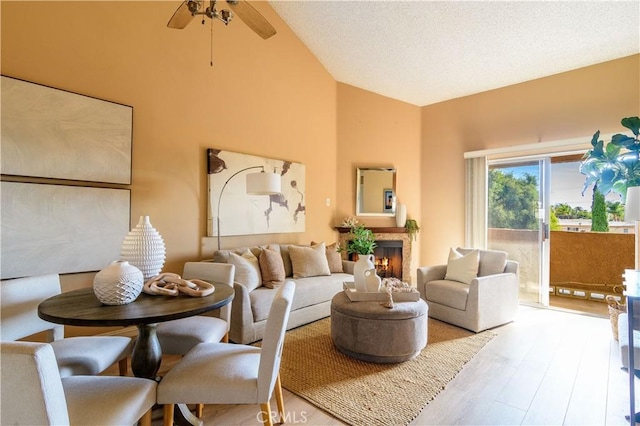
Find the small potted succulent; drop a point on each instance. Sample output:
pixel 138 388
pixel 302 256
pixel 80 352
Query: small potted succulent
pixel 411 225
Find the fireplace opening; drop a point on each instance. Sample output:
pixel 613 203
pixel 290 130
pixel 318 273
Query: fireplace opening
pixel 388 259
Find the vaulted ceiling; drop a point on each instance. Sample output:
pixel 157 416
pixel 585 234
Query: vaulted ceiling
pixel 424 52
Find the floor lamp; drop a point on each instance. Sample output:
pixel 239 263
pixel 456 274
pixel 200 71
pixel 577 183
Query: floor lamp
pixel 262 183
pixel 632 212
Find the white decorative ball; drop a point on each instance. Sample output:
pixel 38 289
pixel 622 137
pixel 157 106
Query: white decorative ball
pixel 118 284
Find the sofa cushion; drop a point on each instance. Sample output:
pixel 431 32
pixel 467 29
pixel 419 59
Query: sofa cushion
pixel 271 266
pixel 309 291
pixel 334 259
pixel 309 261
pixel 286 259
pixel 448 293
pixel 491 261
pixel 222 256
pixel 247 269
pixel 462 267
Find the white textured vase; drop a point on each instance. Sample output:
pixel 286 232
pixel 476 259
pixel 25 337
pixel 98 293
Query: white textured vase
pixel 118 284
pixel 364 263
pixel 144 248
pixel 373 280
pixel 401 215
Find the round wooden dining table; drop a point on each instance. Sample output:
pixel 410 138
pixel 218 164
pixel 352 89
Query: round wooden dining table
pixel 82 308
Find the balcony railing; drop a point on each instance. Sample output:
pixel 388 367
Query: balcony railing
pixel 585 265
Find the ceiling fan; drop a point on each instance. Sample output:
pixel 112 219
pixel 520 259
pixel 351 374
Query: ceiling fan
pixel 249 15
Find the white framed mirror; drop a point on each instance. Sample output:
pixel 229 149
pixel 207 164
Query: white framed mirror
pixel 376 191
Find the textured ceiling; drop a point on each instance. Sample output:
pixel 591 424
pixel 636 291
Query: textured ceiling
pixel 424 52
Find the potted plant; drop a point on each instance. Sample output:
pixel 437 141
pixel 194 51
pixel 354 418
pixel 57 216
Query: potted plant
pixel 362 241
pixel 411 225
pixel 614 166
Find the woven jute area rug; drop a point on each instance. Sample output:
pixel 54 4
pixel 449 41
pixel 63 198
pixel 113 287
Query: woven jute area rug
pixel 362 393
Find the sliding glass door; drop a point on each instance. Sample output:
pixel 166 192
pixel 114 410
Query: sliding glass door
pixel 517 221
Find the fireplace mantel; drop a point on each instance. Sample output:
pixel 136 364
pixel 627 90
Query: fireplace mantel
pixel 385 234
pixel 378 230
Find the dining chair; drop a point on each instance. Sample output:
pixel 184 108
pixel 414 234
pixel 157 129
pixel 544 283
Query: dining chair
pixel 33 393
pixel 177 337
pixel 224 373
pixel 82 355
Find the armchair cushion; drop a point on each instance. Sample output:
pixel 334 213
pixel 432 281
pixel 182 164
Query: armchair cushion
pixel 462 267
pixel 449 293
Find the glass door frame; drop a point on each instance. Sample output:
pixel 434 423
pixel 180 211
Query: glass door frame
pixel 543 215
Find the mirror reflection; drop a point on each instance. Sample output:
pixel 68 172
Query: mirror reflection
pixel 376 191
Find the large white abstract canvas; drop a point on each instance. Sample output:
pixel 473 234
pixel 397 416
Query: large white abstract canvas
pixel 52 133
pixel 243 214
pixel 61 229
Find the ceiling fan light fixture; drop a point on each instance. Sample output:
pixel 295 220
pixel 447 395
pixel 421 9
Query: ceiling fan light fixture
pixel 241 8
pixel 226 16
pixel 194 6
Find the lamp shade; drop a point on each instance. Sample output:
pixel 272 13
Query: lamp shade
pixel 263 183
pixel 632 204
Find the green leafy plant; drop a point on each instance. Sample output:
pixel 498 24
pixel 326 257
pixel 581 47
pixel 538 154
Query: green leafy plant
pixel 614 166
pixel 411 225
pixel 362 241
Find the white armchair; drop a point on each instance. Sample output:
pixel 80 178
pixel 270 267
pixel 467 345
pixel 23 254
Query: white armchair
pixel 489 299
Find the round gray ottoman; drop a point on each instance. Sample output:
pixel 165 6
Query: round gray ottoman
pixel 373 333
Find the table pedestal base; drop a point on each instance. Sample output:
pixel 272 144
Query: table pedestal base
pixel 147 354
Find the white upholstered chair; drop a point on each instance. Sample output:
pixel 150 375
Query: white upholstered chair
pixel 84 355
pixel 489 299
pixel 33 393
pixel 224 373
pixel 177 337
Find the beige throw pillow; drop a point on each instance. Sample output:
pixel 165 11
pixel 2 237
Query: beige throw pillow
pixel 334 259
pixel 309 261
pixel 272 267
pixel 247 269
pixel 462 268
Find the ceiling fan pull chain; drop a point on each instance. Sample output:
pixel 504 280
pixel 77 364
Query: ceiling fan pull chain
pixel 211 45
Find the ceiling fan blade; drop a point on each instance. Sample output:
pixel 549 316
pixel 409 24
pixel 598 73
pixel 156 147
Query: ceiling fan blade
pixel 181 17
pixel 252 18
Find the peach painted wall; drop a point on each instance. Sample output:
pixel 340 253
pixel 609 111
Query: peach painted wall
pixel 569 105
pixel 269 98
pixel 374 130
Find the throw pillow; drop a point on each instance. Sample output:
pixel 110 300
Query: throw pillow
pixel 271 266
pixel 462 268
pixel 309 261
pixel 334 259
pixel 247 269
pixel 491 261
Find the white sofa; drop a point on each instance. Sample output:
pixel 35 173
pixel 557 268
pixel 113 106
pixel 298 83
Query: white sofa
pixel 250 307
pixel 488 300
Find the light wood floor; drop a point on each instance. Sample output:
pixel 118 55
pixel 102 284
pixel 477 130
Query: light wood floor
pixel 546 368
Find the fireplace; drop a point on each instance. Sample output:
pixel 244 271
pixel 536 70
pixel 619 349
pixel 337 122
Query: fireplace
pixel 392 253
pixel 388 255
